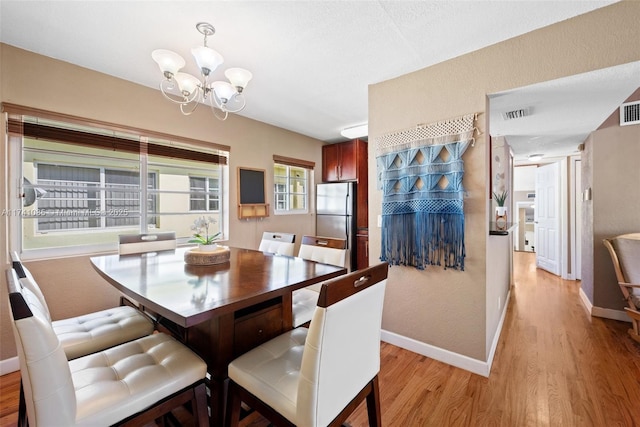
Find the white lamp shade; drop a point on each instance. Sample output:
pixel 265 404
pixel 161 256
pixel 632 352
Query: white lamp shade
pixel 168 61
pixel 187 83
pixel 239 77
pixel 224 91
pixel 206 58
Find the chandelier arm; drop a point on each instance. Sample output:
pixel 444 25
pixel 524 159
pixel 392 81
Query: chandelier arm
pixel 240 97
pixel 214 110
pixel 188 112
pixel 174 98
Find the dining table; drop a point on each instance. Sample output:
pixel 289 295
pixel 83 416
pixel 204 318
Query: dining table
pixel 220 311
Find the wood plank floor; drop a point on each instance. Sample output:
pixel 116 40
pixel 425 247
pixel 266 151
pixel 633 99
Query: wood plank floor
pixel 554 366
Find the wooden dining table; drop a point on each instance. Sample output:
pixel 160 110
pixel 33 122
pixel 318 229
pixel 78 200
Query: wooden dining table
pixel 220 311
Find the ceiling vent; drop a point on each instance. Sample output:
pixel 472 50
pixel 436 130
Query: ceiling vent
pixel 630 113
pixel 516 114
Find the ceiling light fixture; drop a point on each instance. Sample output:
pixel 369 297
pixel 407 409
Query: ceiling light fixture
pixel 535 157
pixel 355 131
pixel 188 91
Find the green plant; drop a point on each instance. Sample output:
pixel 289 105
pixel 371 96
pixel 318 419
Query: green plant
pixel 201 228
pixel 500 198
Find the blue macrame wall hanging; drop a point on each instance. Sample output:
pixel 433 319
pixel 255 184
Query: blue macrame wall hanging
pixel 420 174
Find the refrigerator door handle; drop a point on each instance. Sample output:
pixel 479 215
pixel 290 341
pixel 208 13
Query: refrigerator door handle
pixel 346 223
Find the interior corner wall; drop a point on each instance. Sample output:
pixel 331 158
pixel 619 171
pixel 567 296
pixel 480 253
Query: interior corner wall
pixel 69 89
pixel 444 308
pixel 614 207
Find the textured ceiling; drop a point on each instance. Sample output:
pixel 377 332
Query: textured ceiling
pixel 312 61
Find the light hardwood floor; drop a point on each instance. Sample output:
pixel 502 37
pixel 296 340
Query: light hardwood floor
pixel 554 366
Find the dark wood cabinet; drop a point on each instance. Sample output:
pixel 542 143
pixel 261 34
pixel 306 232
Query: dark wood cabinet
pixel 256 326
pixel 362 249
pixel 347 161
pixel 344 161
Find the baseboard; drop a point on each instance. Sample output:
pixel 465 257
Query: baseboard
pixel 9 365
pixel 461 361
pixel 496 337
pixel 606 313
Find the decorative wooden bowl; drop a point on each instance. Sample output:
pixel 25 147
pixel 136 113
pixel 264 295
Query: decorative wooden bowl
pixel 196 256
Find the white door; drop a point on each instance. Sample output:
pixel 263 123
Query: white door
pixel 547 218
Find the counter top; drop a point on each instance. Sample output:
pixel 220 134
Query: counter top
pixel 494 230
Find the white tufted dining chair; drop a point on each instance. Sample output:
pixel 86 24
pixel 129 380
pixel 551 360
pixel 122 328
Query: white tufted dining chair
pixel 277 243
pixel 320 249
pixel 318 376
pixel 85 334
pixel 110 387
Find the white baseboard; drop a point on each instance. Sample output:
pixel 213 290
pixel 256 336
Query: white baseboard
pixel 9 365
pixel 445 356
pixel 606 313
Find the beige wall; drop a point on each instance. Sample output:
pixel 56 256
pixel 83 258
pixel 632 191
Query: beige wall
pixel 70 285
pixel 613 177
pixel 448 309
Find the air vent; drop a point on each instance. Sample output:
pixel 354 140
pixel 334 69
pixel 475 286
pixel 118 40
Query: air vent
pixel 516 114
pixel 630 113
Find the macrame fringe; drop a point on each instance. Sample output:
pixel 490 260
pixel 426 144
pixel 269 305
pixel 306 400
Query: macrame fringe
pixel 437 238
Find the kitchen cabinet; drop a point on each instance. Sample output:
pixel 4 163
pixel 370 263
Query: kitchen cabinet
pixel 362 249
pixel 347 161
pixel 344 161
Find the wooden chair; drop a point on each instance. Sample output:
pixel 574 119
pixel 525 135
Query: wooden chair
pixel 151 242
pixel 277 243
pixel 130 384
pixel 318 376
pixel 625 254
pixel 320 249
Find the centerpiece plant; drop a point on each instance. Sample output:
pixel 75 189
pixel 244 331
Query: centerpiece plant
pixel 202 233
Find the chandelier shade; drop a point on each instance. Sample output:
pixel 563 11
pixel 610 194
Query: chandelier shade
pixel 189 91
pixel 238 77
pixel 207 59
pixel 168 61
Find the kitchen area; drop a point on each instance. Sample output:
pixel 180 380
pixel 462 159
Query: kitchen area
pixel 342 199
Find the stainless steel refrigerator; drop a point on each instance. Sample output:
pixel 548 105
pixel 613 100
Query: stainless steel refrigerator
pixel 336 215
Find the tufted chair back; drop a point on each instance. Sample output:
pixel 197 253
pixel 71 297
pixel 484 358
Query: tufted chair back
pixel 342 350
pixel 324 249
pixel 45 373
pixel 26 280
pixel 277 243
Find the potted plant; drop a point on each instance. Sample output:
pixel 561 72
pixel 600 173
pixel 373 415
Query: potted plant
pixel 500 198
pixel 206 242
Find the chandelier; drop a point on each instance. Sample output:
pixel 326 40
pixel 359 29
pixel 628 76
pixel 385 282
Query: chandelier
pixel 189 91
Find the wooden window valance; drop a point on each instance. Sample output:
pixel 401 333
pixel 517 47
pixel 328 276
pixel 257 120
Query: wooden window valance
pixel 290 161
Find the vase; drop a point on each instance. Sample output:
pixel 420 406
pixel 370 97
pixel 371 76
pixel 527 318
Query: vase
pixel 208 248
pixel 501 210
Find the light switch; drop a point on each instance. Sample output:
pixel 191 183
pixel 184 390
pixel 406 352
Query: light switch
pixel 379 221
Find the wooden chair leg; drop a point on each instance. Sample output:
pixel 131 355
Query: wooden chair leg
pixel 22 409
pixel 373 404
pixel 199 405
pixel 232 416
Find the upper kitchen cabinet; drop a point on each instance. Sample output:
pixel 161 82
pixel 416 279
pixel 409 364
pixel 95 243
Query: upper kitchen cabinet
pixel 345 161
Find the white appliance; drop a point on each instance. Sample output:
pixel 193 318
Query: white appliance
pixel 336 213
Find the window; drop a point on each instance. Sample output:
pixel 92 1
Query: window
pixel 291 180
pixel 205 193
pixel 83 186
pixel 74 191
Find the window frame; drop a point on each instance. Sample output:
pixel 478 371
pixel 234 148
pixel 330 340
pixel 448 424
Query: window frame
pixel 288 163
pixel 163 145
